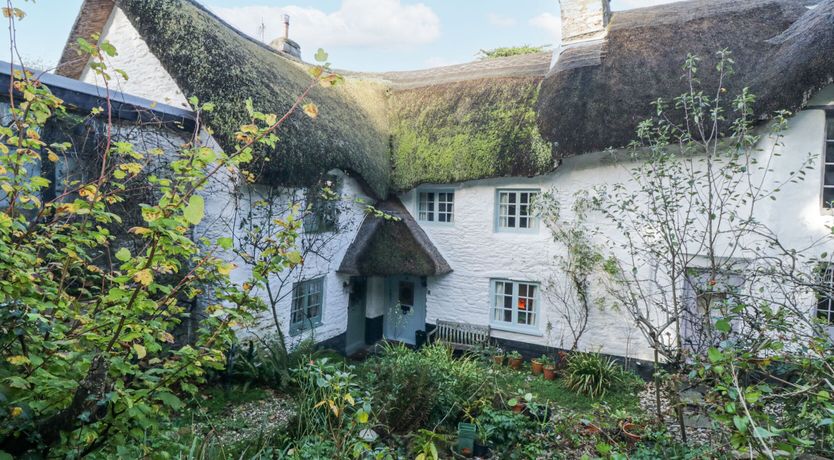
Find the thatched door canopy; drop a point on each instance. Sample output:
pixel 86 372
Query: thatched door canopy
pixel 392 247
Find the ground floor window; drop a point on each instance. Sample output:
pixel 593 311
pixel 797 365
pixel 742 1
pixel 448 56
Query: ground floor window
pixel 307 303
pixel 515 303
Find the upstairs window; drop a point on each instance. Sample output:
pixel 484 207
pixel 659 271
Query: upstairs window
pixel 828 168
pixel 514 210
pixel 515 304
pixel 323 206
pixel 436 206
pixel 307 305
pixel 825 295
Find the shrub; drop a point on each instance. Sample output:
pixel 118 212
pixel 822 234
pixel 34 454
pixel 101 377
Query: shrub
pixel 592 375
pixel 267 361
pixel 426 387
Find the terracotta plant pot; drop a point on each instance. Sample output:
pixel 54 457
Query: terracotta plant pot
pixel 499 359
pixel 519 408
pixel 515 363
pixel 549 372
pixel 588 429
pixel 629 431
pixel 536 367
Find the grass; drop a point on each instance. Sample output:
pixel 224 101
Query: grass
pixel 558 394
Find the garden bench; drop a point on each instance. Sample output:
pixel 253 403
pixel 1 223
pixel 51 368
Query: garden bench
pixel 460 336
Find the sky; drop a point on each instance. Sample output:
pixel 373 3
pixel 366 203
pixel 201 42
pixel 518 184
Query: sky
pixel 363 35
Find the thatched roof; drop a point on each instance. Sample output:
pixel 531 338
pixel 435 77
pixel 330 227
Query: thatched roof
pixel 484 119
pixel 212 61
pixel 599 91
pixel 386 247
pixel 470 121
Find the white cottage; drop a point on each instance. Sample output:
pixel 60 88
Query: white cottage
pixel 458 153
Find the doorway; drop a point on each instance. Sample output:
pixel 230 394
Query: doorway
pixel 406 308
pixel 355 334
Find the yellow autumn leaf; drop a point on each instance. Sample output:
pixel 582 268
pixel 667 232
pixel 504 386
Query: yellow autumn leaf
pixel 53 157
pixel 145 277
pixel 16 411
pixel 225 269
pixel 311 109
pixel 349 399
pixel 18 360
pixel 140 350
pixel 166 337
pixel 139 230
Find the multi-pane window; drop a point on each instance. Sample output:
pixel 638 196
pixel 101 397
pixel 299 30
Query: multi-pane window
pixel 514 210
pixel 323 206
pixel 436 206
pixel 515 303
pixel 828 173
pixel 825 295
pixel 307 298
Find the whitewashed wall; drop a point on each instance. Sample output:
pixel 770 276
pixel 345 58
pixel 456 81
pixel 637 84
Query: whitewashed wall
pixel 478 254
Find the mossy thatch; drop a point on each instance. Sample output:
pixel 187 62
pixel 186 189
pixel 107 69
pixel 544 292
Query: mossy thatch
pixel 399 246
pixel 600 91
pixel 467 130
pixel 217 64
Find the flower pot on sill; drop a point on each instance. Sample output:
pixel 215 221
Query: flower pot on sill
pixel 536 367
pixel 515 363
pixel 549 372
pixel 498 359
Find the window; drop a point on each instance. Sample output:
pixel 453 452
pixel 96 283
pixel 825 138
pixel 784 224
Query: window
pixel 323 206
pixel 514 210
pixel 825 295
pixel 307 303
pixel 436 206
pixel 828 167
pixel 515 304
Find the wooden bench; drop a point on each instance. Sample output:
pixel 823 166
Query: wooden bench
pixel 459 336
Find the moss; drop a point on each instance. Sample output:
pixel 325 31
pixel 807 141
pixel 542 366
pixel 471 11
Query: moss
pixel 392 251
pixel 467 130
pixel 216 64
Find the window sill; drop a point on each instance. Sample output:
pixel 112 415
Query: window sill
pixel 531 331
pixel 296 331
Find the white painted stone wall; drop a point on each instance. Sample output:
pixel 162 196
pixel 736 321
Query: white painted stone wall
pixel 478 254
pixel 584 19
pixel 146 76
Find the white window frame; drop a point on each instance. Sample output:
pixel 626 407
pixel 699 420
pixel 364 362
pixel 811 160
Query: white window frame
pixel 513 325
pixel 532 219
pixel 301 292
pixel 431 214
pixel 828 136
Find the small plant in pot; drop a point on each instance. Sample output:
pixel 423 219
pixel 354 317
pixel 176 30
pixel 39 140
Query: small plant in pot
pixel 548 368
pixel 520 401
pixel 515 360
pixel 498 355
pixel 536 366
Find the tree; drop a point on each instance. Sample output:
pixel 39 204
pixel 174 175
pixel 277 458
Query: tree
pixel 508 51
pixel 88 357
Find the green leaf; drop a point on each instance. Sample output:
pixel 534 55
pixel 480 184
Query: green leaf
pixel 714 355
pixel 362 416
pixel 761 432
pixel 5 455
pixel 722 325
pixel 195 210
pixel 225 243
pixel 123 254
pixel 740 423
pixel 320 56
pixel 169 400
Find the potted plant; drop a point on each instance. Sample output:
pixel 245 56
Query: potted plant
pixel 520 400
pixel 548 368
pixel 515 360
pixel 537 364
pixel 481 448
pixel 498 356
pixel 630 431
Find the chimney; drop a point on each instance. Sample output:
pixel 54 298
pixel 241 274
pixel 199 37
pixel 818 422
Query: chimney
pixel 584 20
pixel 284 44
